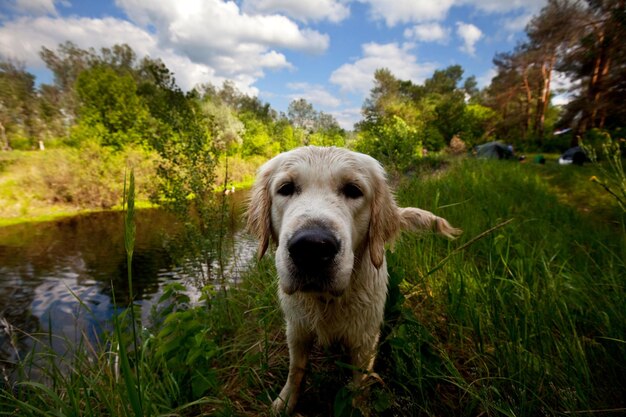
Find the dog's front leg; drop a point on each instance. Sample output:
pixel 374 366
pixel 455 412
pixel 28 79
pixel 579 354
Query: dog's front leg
pixel 300 341
pixel 363 355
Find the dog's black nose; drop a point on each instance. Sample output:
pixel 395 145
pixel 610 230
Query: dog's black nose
pixel 313 249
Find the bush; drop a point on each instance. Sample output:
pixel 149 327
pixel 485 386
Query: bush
pixel 87 177
pixel 392 141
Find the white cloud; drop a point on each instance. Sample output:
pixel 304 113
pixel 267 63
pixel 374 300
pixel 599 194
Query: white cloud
pixel 470 34
pixel 35 7
pixel 23 38
pixel 347 117
pixel 501 6
pixel 563 88
pixel 415 11
pixel 200 41
pixel 428 32
pixel 359 76
pixel 485 79
pixel 314 94
pixel 209 26
pixel 303 10
pixel 405 11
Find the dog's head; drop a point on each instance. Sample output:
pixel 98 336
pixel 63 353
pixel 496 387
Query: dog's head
pixel 326 208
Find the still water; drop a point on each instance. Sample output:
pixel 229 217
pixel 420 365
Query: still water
pixel 60 277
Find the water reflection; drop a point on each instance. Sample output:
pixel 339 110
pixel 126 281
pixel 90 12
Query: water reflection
pixel 60 276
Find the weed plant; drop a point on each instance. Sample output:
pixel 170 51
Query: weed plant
pixel 522 316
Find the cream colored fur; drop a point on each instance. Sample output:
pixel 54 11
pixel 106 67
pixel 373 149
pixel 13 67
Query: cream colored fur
pixel 350 310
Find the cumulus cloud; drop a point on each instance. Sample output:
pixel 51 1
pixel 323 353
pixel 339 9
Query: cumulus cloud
pixel 470 34
pixel 428 32
pixel 485 79
pixel 516 23
pixel 23 38
pixel 413 11
pixel 202 41
pixel 303 10
pixel 347 117
pixel 36 7
pixel 358 76
pixel 405 11
pixel 314 94
pixel 500 6
pixel 210 25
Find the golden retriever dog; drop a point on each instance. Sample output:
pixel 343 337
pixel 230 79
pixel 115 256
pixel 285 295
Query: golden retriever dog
pixel 330 213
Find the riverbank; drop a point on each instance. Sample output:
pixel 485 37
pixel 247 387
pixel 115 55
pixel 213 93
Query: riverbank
pixel 42 185
pixel 46 185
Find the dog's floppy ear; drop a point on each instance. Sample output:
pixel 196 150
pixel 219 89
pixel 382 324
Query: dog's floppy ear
pixel 388 220
pixel 384 221
pixel 259 208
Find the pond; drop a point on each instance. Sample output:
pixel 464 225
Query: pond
pixel 60 277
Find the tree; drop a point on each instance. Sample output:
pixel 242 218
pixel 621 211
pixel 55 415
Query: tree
pixel 110 108
pixel 18 117
pixel 598 62
pixel 302 114
pixel 512 91
pixel 315 128
pixel 66 64
pixel 385 97
pixel 392 141
pixel 550 33
pixel 227 130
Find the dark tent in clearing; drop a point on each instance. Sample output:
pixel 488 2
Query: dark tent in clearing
pixel 574 155
pixel 494 150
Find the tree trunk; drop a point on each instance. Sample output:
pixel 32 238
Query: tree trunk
pixel 3 139
pixel 601 65
pixel 544 97
pixel 529 99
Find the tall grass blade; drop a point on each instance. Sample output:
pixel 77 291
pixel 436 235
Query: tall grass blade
pixel 133 383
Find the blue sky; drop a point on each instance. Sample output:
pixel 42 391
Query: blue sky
pixel 325 51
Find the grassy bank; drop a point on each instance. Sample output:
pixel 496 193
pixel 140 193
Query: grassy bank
pixel 61 182
pixel 43 185
pixel 525 320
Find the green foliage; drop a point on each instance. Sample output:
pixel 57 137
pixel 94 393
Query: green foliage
pixel 226 129
pixel 613 176
pixel 391 141
pixel 186 347
pixel 487 319
pixel 479 123
pixel 111 112
pixel 18 121
pixel 257 138
pixel 286 135
pixel 87 177
pixel 434 112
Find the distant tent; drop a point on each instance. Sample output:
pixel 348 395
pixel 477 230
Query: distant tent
pixel 574 156
pixel 494 150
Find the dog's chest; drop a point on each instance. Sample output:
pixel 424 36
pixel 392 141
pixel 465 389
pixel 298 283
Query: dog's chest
pixel 337 319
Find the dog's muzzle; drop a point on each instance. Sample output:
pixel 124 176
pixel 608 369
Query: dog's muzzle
pixel 313 252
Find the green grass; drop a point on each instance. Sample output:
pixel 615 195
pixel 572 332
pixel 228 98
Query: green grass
pixel 526 320
pixel 44 185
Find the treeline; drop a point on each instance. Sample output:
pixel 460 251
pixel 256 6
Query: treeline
pixel 111 97
pixel 581 40
pixel 115 99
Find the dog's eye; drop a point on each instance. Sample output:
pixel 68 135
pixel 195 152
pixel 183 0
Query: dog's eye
pixel 352 191
pixel 287 189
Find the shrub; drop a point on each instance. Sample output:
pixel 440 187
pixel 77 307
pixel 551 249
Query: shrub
pixel 87 177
